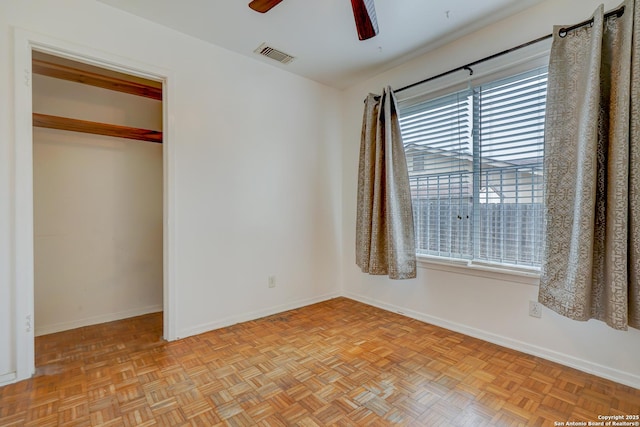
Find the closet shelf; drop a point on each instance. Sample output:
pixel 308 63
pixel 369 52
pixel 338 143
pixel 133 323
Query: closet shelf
pixel 76 125
pixel 77 75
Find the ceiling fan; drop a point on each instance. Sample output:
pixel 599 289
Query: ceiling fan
pixel 364 13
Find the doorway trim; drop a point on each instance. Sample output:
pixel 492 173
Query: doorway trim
pixel 22 274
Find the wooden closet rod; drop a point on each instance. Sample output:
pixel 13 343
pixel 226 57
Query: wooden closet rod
pixel 75 125
pixel 77 75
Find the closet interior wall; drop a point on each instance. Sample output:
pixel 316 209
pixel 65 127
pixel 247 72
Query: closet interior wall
pixel 98 210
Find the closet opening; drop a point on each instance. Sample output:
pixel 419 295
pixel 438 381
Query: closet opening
pixel 98 198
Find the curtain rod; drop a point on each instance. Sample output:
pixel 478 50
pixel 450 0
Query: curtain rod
pixel 562 33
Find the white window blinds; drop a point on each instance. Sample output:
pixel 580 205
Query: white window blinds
pixel 475 168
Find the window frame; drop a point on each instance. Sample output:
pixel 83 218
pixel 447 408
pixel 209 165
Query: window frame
pixel 513 63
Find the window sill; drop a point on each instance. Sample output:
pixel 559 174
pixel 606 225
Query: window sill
pixel 510 274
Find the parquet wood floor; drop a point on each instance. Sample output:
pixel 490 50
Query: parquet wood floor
pixel 339 363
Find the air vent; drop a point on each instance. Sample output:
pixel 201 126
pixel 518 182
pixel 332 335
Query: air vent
pixel 274 54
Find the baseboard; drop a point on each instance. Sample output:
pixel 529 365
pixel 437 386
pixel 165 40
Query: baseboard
pixel 245 317
pixel 582 365
pixel 8 378
pixel 94 320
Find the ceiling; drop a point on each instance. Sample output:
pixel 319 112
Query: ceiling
pixel 321 34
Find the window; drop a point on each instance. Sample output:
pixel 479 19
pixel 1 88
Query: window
pixel 475 160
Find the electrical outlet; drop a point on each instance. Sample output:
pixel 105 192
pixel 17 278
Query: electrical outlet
pixel 272 281
pixel 28 323
pixel 535 309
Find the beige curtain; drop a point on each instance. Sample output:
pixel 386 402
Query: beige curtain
pixel 384 231
pixel 591 263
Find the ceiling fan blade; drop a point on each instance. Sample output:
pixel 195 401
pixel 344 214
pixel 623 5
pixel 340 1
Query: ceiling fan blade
pixel 364 12
pixel 263 6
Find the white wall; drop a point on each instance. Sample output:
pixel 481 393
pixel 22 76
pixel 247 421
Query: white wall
pixel 493 309
pixel 255 149
pixel 97 209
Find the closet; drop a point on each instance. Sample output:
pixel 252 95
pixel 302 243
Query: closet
pixel 98 196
